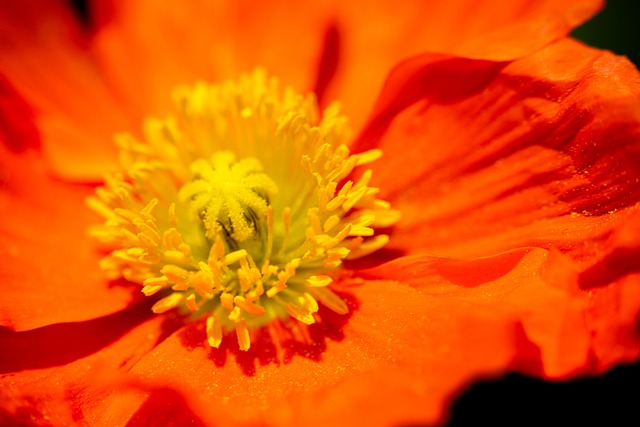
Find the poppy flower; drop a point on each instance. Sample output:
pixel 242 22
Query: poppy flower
pixel 299 278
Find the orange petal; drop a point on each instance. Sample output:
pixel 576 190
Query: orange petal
pixel 399 358
pixel 377 35
pixel 144 49
pixel 43 54
pixel 406 351
pixel 539 152
pixel 64 371
pixel 564 330
pixel 49 268
pixel 148 47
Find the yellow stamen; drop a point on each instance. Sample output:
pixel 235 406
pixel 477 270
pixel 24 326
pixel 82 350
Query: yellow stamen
pixel 238 206
pixel 319 281
pixel 167 303
pixel 243 335
pixel 214 332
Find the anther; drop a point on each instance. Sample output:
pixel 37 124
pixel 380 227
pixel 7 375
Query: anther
pixel 239 207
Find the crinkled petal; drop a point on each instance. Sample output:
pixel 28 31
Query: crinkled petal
pixel 49 268
pixel 563 330
pixel 543 151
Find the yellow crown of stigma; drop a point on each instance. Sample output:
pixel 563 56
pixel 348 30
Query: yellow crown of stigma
pixel 238 207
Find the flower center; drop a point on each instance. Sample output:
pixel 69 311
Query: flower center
pixel 240 206
pixel 228 196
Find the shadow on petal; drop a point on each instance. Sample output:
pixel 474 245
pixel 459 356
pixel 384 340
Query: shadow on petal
pixel 278 343
pixel 61 343
pixel 439 78
pixel 163 407
pixel 17 119
pixel 23 414
pixel 453 274
pixel 379 257
pixel 328 62
pixel 615 265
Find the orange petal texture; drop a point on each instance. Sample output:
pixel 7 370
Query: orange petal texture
pixel 379 33
pixel 561 329
pixel 49 272
pixel 43 54
pixel 449 344
pixel 141 50
pixel 537 152
pixel 510 152
pixel 299 382
pixel 45 370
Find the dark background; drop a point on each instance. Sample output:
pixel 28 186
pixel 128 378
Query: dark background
pixel 616 28
pixel 516 400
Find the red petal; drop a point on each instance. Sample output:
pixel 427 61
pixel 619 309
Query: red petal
pixel 43 54
pixel 539 152
pixel 50 268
